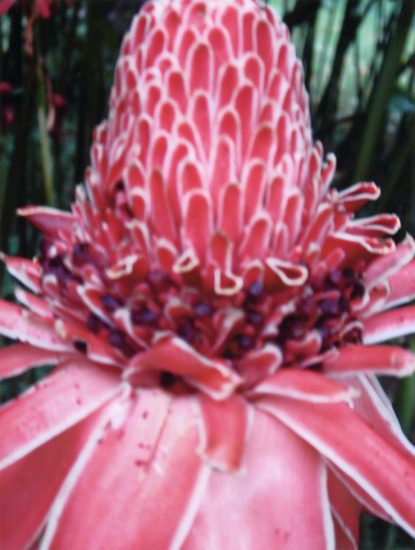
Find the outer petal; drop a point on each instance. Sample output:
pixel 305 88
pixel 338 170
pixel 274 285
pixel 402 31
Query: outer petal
pixel 28 487
pixel 388 325
pixel 305 385
pixel 374 406
pixel 259 507
pixel 346 511
pixel 224 429
pixel 17 324
pixel 18 358
pixel 49 221
pixel 390 360
pixel 386 266
pixel 55 404
pixel 24 270
pixel 402 286
pixel 144 506
pixel 319 425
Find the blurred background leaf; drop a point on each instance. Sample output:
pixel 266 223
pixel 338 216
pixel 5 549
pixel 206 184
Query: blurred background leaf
pixel 55 76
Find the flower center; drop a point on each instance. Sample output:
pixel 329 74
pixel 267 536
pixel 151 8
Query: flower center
pixel 303 323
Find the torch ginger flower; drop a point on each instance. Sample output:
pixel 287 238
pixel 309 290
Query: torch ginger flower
pixel 214 312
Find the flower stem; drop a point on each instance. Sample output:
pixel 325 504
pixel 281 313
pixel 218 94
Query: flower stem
pixel 383 87
pixel 46 157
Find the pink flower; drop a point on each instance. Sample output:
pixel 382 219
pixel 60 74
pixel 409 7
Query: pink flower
pixel 215 314
pixel 42 7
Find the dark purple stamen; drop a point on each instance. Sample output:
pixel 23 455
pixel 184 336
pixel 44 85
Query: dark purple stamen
pixel 292 326
pixel 119 186
pixel 334 279
pixel 325 331
pixel 80 345
pixel 187 332
pixel 202 309
pixel 255 289
pixel 358 291
pixel 110 302
pixel 44 247
pixel 55 266
pixel 244 341
pixel 306 308
pixel 330 306
pixel 81 255
pixel 116 338
pixel 349 274
pixel 316 367
pixel 94 323
pixel 144 317
pixel 254 318
pixel 167 379
pixel 344 304
pixel 158 278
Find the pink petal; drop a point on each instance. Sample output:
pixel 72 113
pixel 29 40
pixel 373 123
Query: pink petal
pixel 173 355
pixel 230 211
pixel 161 212
pixel 278 500
pixel 402 286
pixel 28 487
pixel 387 475
pixel 385 266
pixel 5 5
pixel 285 274
pixel 200 67
pixel 137 506
pixel 253 188
pixel 346 511
pixel 374 407
pixel 257 365
pixel 24 270
pixel 49 221
pixel 356 196
pixel 44 7
pixel 245 100
pixel 366 501
pixel 304 385
pixel 52 406
pixel 34 303
pixel 197 225
pixel 387 360
pixel 224 428
pixel 18 358
pixel 343 541
pixel 17 324
pixel 388 325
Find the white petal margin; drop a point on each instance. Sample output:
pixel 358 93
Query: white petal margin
pixel 392 485
pixel 114 410
pixel 55 404
pixel 278 499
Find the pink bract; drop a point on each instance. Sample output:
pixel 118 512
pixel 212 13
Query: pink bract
pixel 42 6
pixel 214 313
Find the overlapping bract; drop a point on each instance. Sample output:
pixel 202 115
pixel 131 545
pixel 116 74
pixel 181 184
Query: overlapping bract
pixel 215 314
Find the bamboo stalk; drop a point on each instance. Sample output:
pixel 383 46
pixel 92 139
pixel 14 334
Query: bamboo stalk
pixel 382 90
pixel 44 141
